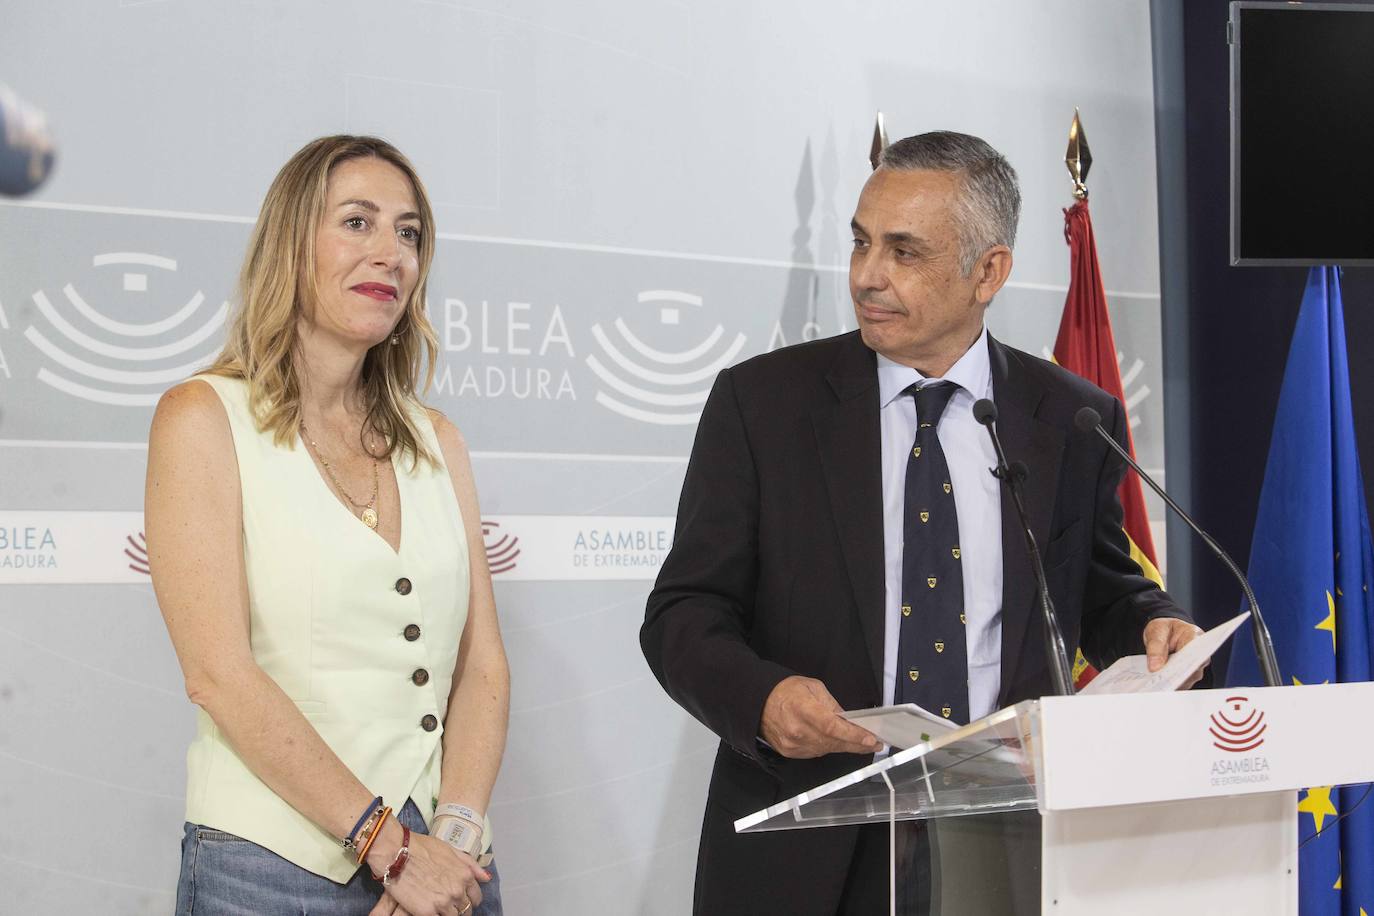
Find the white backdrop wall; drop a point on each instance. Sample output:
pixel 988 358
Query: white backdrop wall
pixel 630 194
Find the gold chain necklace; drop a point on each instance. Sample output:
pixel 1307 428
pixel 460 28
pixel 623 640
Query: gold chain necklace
pixel 369 513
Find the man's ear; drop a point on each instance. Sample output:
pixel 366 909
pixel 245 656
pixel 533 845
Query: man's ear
pixel 990 272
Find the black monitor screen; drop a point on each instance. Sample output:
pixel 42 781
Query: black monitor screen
pixel 1302 133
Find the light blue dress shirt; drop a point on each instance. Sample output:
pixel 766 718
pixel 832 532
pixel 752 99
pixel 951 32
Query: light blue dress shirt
pixel 978 500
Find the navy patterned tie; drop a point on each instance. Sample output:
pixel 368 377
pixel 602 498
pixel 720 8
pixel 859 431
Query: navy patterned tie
pixel 932 655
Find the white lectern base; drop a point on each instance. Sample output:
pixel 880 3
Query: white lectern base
pixel 1206 855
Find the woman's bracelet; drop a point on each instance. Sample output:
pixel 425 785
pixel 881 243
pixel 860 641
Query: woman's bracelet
pixel 462 834
pixel 374 806
pixel 373 834
pixel 398 864
pixel 463 811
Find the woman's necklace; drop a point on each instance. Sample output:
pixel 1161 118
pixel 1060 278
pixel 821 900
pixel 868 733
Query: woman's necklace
pixel 369 508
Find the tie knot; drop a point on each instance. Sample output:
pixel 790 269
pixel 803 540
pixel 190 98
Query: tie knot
pixel 931 400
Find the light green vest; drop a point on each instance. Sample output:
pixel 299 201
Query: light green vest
pixel 329 625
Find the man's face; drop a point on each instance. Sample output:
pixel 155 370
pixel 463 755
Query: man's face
pixel 911 299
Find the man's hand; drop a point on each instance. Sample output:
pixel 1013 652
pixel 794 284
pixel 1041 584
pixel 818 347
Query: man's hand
pixel 802 719
pixel 1166 635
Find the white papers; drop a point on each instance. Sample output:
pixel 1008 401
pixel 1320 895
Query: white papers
pixel 901 726
pixel 1131 675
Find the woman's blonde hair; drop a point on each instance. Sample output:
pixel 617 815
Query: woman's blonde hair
pixel 278 278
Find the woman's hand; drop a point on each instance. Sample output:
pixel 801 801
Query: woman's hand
pixel 438 880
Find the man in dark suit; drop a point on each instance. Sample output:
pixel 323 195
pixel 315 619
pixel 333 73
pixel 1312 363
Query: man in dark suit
pixel 838 532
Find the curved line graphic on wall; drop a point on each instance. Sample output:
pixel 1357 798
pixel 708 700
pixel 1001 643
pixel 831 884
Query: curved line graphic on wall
pixel 137 552
pixel 97 395
pixel 128 353
pixel 140 258
pixel 119 376
pixel 690 399
pixel 663 378
pixel 132 330
pixel 627 386
pixel 68 356
pixel 668 295
pixel 502 553
pixel 1133 398
pixel 658 356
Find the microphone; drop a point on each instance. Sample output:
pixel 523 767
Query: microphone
pixel 1089 420
pixel 1012 474
pixel 26 147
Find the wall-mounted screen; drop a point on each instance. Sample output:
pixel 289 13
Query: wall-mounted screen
pixel 1302 133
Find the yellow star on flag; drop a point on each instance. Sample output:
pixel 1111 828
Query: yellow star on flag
pixel 1330 622
pixel 1298 683
pixel 1318 804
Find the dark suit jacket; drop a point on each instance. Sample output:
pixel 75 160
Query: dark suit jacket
pixel 777 569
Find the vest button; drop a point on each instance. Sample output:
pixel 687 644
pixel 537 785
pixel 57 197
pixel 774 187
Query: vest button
pixel 429 723
pixel 412 632
pixel 403 585
pixel 420 677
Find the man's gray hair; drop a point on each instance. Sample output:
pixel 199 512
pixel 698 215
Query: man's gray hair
pixel 989 204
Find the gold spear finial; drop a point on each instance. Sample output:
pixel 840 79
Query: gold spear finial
pixel 875 151
pixel 1079 158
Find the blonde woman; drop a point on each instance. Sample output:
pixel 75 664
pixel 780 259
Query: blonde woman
pixel 316 549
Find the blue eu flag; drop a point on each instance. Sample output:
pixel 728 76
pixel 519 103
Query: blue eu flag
pixel 1312 566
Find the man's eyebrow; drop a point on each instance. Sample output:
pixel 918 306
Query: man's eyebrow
pixel 906 240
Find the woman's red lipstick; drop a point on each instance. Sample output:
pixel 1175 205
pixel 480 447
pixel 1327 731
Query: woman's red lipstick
pixel 376 290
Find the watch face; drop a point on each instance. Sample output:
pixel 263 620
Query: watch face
pixel 459 834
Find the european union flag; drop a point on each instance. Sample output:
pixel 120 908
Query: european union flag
pixel 1312 566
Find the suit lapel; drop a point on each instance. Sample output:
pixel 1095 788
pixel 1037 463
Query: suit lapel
pixel 1017 393
pixel 848 440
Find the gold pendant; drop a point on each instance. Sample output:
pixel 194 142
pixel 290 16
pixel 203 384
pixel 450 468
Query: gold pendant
pixel 370 517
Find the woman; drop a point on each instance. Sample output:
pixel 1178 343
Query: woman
pixel 316 548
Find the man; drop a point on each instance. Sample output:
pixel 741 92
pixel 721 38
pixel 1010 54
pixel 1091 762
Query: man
pixel 840 543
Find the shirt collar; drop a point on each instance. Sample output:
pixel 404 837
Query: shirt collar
pixel 972 372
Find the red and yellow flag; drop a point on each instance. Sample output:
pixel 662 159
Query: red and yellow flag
pixel 1086 347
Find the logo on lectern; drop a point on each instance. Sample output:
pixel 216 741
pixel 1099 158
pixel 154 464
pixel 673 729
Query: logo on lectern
pixel 1238 727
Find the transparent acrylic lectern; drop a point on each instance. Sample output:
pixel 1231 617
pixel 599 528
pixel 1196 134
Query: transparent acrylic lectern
pixel 1179 802
pixel 990 864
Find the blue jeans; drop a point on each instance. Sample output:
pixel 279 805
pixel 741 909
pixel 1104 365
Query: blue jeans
pixel 225 875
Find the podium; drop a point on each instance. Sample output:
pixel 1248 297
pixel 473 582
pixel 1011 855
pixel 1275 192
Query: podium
pixel 1141 803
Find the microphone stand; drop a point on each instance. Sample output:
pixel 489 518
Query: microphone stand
pixel 1086 419
pixel 1061 673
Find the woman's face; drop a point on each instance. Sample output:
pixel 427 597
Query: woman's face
pixel 367 252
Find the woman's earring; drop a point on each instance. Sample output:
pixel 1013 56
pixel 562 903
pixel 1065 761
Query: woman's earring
pixel 395 339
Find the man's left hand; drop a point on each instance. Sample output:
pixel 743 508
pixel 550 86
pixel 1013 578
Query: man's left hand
pixel 1166 635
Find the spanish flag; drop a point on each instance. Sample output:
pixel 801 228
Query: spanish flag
pixel 1086 347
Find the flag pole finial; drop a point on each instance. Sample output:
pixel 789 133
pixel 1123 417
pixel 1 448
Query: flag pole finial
pixel 1079 158
pixel 875 151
